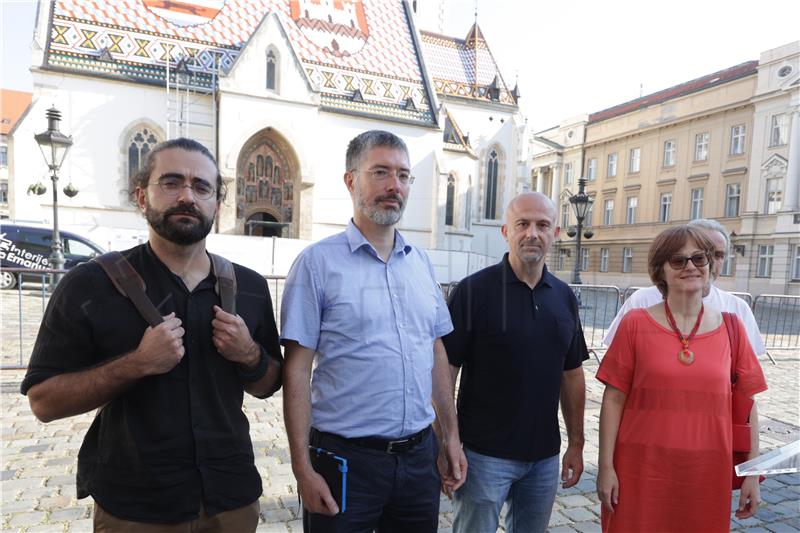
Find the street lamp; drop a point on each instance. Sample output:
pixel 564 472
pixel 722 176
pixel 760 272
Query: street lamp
pixel 54 146
pixel 580 205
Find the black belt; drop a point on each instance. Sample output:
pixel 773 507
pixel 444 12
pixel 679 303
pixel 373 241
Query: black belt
pixel 403 445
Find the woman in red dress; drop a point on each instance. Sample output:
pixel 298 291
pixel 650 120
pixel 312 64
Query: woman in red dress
pixel 665 425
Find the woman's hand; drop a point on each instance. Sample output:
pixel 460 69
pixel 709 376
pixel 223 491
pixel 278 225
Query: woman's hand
pixel 750 498
pixel 608 488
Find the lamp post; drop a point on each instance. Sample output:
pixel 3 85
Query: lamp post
pixel 54 146
pixel 580 205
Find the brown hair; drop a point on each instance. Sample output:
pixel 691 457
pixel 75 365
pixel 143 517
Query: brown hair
pixel 668 243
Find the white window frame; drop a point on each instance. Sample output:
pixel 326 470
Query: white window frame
pixel 562 258
pixel 635 161
pixel 738 136
pixel 627 259
pixel 630 213
pixel 608 212
pixel 604 259
pixel 591 169
pixel 727 265
pixel 564 216
pixel 779 130
pixel 796 263
pixel 665 207
pixel 733 197
pixel 567 173
pixel 670 149
pixel 701 141
pixel 697 203
pixel 773 196
pixel 584 259
pixel 611 169
pixel 765 256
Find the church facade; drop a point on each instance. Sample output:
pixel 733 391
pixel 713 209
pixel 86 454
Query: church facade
pixel 275 89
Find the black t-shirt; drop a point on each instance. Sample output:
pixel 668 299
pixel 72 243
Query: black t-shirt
pixel 512 343
pixel 170 441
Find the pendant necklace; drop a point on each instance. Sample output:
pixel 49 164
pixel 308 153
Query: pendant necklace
pixel 685 355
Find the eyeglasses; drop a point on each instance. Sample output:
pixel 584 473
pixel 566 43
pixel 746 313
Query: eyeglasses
pixel 172 185
pixel 381 174
pixel 678 262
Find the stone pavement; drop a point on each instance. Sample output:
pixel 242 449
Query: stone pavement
pixel 39 462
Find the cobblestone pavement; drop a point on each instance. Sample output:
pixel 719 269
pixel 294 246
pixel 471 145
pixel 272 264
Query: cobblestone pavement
pixel 37 476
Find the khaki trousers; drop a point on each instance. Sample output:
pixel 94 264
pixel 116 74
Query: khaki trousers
pixel 241 520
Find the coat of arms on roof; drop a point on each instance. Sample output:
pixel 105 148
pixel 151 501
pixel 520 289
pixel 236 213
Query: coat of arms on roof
pixel 185 12
pixel 340 28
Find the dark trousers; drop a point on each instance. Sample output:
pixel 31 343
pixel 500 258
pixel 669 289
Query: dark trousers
pixel 388 493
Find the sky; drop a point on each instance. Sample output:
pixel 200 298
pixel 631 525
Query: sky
pixel 571 57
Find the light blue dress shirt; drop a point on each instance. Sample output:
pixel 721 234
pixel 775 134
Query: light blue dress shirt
pixel 372 324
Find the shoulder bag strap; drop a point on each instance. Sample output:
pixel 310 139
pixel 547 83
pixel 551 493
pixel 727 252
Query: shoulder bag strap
pixel 226 282
pixel 130 284
pixel 733 336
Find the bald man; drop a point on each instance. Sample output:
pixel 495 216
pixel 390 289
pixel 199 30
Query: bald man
pixel 519 344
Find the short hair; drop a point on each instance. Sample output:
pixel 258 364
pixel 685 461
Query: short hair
pixel 668 243
pixel 142 176
pixel 364 142
pixel 711 225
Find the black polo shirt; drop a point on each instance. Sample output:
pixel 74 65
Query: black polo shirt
pixel 173 441
pixel 512 344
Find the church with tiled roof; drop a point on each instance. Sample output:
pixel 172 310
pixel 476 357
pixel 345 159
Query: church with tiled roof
pixel 275 88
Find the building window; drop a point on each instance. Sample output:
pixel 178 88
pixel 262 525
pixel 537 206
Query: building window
pixel 587 219
pixel 633 201
pixel 635 160
pixel 608 212
pixel 737 139
pixel 490 207
pixel 592 173
pixel 272 71
pixel 727 265
pixel 564 215
pixel 627 259
pixel 701 146
pixel 604 259
pixel 584 259
pixel 669 153
pixel 796 263
pixel 764 269
pixel 733 193
pixel 666 204
pixel 779 131
pixel 697 204
pixel 562 258
pixel 612 165
pixel 772 202
pixel 3 156
pixel 3 192
pixel 450 203
pixel 139 145
pixel 568 174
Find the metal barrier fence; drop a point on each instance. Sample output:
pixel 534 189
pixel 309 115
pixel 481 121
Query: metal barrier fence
pixel 778 319
pixel 597 307
pixel 778 316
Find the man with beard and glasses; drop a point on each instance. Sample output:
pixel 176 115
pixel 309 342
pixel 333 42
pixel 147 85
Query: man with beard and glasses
pixel 364 305
pixel 169 449
pixel 518 343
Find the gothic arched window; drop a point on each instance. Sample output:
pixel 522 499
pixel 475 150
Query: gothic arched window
pixel 449 206
pixel 490 205
pixel 272 70
pixel 140 142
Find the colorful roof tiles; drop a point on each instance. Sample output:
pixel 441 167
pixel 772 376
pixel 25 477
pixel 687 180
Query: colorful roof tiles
pixel 465 67
pixel 344 45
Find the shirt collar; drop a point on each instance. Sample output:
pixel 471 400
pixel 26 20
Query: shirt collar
pixel 510 277
pixel 357 240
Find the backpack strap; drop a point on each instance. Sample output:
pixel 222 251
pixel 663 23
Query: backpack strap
pixel 130 284
pixel 226 282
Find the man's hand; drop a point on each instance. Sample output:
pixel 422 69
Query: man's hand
pixel 233 341
pixel 315 494
pixel 571 466
pixel 452 465
pixel 749 499
pixel 161 347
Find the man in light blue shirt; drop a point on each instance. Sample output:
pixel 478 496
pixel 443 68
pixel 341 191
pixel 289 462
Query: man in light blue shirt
pixel 364 305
